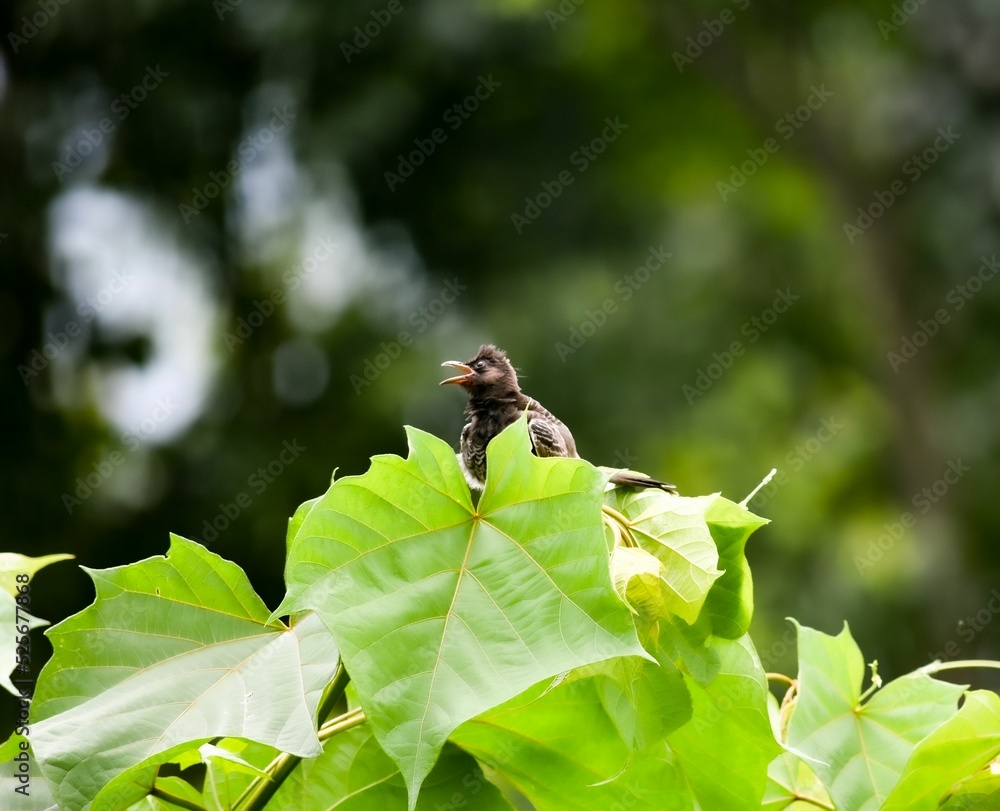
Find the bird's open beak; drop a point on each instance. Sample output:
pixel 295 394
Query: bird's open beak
pixel 465 369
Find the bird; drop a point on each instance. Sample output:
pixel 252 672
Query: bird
pixel 496 401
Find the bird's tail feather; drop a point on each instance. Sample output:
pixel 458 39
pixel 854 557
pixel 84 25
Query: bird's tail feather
pixel 626 478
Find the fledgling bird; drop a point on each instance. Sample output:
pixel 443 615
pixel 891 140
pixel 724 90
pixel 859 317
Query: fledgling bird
pixel 496 401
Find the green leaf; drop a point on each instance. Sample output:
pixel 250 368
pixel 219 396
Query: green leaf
pixel 131 785
pixel 644 699
pixel 679 530
pixel 789 777
pixel 354 774
pixel 15 619
pixel 16 795
pixel 443 609
pixel 12 564
pixel 980 793
pixel 641 581
pixel 563 752
pixel 226 782
pixel 231 766
pixel 730 602
pixel 673 530
pixel 233 762
pixel 175 787
pixel 690 647
pixel 174 649
pixel 862 749
pixel 790 780
pixel 724 750
pixel 15 599
pixel 961 745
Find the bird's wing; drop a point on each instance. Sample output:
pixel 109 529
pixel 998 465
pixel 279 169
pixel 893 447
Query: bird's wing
pixel 545 438
pixel 471 459
pixel 549 436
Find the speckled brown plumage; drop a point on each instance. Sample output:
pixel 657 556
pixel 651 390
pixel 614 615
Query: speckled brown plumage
pixel 496 401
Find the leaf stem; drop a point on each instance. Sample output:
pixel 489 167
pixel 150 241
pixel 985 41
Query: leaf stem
pixel 781 677
pixel 173 799
pixel 262 789
pixel 626 525
pixel 759 487
pixel 334 691
pixel 960 664
pixel 621 519
pixel 814 801
pixel 875 685
pixel 342 723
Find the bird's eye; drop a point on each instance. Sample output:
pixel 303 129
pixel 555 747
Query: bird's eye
pixel 480 364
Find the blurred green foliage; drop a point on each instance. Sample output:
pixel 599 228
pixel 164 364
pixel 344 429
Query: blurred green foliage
pixel 304 224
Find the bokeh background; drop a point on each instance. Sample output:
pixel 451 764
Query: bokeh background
pixel 237 239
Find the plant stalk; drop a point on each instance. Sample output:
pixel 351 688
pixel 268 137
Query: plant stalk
pixel 262 789
pixel 960 664
pixel 173 799
pixel 625 525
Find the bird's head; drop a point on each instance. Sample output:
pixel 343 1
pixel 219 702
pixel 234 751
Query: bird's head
pixel 489 373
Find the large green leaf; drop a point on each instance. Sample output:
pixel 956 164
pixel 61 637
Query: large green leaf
pixel 860 749
pixel 672 577
pixel 724 750
pixel 957 748
pixel 354 774
pixel 673 530
pixel 562 751
pixel 443 609
pixel 174 649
